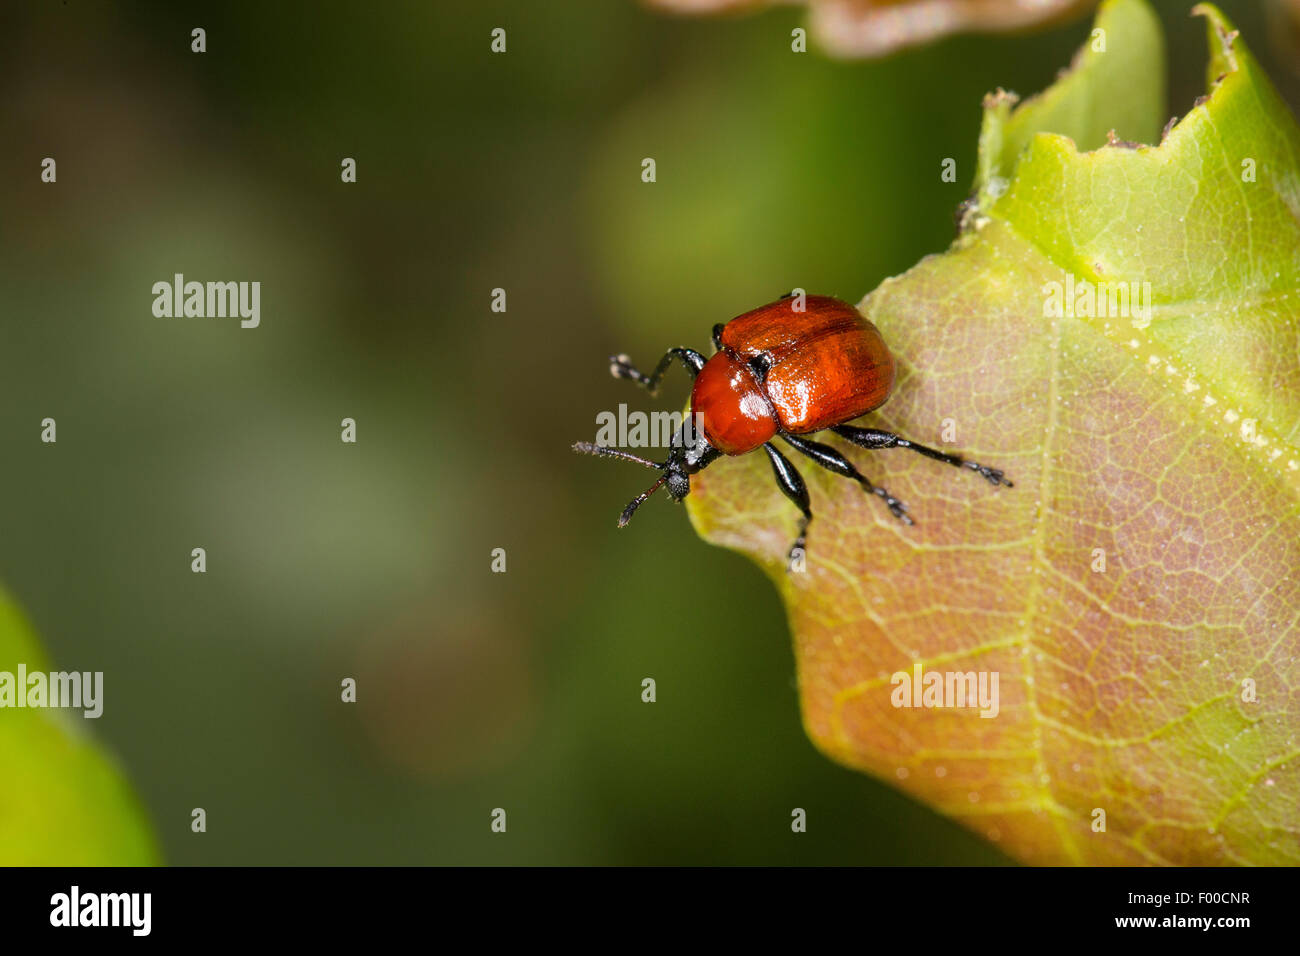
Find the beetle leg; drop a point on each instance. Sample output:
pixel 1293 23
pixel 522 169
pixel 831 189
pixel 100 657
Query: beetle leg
pixel 876 438
pixel 792 486
pixel 620 366
pixel 830 459
pixel 717 335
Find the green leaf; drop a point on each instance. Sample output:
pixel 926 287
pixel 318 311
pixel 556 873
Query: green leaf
pixel 63 802
pixel 1116 83
pixel 1136 591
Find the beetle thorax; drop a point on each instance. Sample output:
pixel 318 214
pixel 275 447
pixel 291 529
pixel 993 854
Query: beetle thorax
pixel 732 406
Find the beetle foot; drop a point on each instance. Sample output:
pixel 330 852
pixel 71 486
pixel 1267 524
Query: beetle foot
pixel 796 560
pixel 897 508
pixel 994 476
pixel 620 366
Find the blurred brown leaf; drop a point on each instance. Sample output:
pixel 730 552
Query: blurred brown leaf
pixel 869 28
pixel 1284 21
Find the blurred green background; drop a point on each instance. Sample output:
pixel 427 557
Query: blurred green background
pixel 325 560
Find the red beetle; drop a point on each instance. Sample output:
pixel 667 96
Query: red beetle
pixel 785 370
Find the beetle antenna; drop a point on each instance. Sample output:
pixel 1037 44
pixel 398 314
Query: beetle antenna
pixel 605 451
pixel 587 448
pixel 636 502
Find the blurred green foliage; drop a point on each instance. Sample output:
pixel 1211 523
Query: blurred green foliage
pixel 63 802
pixel 328 560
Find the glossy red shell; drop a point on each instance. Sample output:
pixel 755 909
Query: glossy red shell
pixel 827 365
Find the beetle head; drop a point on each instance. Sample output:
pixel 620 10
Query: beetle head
pixel 690 452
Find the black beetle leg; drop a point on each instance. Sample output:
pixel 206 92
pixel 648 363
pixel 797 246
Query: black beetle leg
pixel 830 459
pixel 876 438
pixel 620 366
pixel 792 486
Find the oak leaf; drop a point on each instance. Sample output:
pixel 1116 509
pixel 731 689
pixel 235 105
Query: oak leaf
pixel 1137 590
